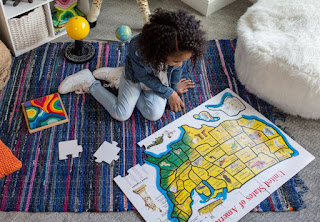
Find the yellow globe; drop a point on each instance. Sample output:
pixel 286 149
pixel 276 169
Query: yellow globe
pixel 77 28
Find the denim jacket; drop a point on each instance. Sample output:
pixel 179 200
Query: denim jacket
pixel 138 71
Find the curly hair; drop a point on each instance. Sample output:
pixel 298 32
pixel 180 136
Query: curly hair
pixel 169 32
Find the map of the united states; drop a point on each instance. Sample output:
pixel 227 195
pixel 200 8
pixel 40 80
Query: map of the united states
pixel 213 161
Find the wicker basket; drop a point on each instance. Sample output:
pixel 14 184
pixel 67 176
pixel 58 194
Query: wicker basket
pixel 29 29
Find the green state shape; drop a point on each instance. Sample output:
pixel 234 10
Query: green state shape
pixel 154 160
pixel 181 155
pixel 165 173
pixel 180 145
pixel 173 158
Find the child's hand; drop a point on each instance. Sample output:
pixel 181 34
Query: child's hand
pixel 175 102
pixel 183 86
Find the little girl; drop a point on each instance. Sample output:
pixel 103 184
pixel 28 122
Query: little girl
pixel 156 58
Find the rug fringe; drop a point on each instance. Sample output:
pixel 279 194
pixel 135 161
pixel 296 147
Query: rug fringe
pixel 301 189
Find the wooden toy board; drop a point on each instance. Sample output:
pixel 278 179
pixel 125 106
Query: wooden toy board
pixel 45 112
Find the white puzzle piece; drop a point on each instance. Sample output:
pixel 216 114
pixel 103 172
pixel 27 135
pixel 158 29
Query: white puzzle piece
pixel 70 147
pixel 229 104
pixel 107 152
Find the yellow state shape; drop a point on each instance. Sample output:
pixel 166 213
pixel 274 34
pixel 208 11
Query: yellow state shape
pixel 269 132
pixel 195 137
pixel 173 188
pixel 186 208
pixel 275 144
pixel 220 134
pixel 217 184
pixel 182 216
pixel 258 125
pixel 232 127
pixel 202 163
pixel 180 185
pixel 225 160
pixel 183 195
pixel 193 155
pixel 244 175
pixel 246 154
pixel 283 154
pixel 231 146
pixel 170 179
pixel 260 163
pixel 215 171
pixel 231 182
pixel 189 185
pixel 235 167
pixel 194 177
pixel 247 122
pixel 205 148
pixel 216 192
pixel 185 174
pixel 263 148
pixel 210 207
pixel 214 155
pixel 203 189
pixel 244 140
pixel 256 135
pixel 202 173
pixel 183 167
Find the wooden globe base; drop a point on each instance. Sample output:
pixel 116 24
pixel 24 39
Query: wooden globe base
pixel 79 52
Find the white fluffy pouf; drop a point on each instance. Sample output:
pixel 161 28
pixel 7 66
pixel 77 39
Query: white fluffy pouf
pixel 278 54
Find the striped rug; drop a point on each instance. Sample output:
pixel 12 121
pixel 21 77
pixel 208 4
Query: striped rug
pixel 44 183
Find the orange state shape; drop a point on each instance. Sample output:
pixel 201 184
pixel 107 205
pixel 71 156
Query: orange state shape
pixel 52 109
pixel 8 162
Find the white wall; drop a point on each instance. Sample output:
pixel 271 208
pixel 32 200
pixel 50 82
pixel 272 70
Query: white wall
pixel 207 7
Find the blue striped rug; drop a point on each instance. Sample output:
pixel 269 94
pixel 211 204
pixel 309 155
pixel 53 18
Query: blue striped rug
pixel 44 183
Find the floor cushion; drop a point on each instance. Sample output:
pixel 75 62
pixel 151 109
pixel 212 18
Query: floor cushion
pixel 5 65
pixel 278 54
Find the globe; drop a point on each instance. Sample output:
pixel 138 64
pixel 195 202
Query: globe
pixel 123 33
pixel 77 28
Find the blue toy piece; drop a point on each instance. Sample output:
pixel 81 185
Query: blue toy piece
pixel 124 33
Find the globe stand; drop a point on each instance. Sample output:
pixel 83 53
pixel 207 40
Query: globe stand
pixel 79 51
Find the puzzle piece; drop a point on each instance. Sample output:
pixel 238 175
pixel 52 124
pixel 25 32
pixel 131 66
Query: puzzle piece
pixel 70 147
pixel 107 152
pixel 205 116
pixel 229 104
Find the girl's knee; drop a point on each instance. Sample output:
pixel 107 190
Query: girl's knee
pixel 153 115
pixel 120 113
pixel 121 116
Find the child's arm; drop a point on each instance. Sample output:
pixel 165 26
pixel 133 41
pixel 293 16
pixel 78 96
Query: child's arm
pixel 166 92
pixel 175 76
pixel 184 85
pixel 151 81
pixel 180 85
pixel 155 84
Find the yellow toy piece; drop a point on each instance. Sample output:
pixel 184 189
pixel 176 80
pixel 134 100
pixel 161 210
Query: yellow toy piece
pixel 77 28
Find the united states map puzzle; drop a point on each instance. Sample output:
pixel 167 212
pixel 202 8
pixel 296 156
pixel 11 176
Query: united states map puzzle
pixel 215 163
